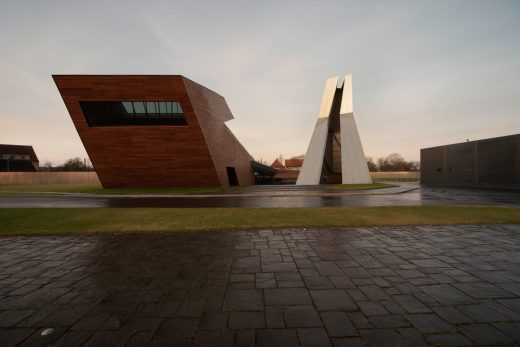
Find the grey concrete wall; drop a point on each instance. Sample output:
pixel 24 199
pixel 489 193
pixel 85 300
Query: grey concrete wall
pixel 499 161
pixel 432 165
pixel 460 161
pixel 493 163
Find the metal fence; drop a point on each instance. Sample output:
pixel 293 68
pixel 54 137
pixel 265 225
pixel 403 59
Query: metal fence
pixel 49 178
pixel 408 176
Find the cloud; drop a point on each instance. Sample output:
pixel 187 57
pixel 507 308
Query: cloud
pixel 424 73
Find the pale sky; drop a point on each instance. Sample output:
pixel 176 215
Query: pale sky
pixel 425 73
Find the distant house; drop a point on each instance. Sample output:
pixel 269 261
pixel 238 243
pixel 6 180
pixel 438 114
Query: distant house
pixel 277 165
pixel 15 158
pixel 287 173
pixel 293 164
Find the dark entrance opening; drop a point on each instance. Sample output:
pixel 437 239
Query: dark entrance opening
pixel 232 176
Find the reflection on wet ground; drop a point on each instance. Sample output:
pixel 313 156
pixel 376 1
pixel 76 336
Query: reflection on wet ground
pixel 402 286
pixel 416 197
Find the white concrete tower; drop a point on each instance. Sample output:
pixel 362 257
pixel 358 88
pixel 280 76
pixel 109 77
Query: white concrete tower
pixel 311 171
pixel 336 104
pixel 354 168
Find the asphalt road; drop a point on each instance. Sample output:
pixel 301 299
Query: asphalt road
pixel 278 197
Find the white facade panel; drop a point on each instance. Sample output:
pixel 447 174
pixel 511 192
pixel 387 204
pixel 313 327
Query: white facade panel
pixel 328 96
pixel 347 102
pixel 310 174
pixel 354 168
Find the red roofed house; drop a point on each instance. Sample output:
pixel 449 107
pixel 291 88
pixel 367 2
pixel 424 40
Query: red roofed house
pixel 293 164
pixel 277 165
pixel 288 172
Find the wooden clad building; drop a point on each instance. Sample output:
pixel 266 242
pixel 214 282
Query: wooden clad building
pixel 155 131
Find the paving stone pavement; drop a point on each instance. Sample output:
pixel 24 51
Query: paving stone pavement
pixel 447 285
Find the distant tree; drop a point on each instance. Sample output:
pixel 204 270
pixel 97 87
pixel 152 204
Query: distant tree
pixel 74 164
pixel 371 165
pixel 383 164
pixel 415 166
pixel 47 166
pixel 396 162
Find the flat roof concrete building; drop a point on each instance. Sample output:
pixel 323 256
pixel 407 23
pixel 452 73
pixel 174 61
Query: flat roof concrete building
pixel 488 163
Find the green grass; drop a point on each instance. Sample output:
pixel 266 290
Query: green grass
pixel 20 189
pixel 46 221
pixel 359 186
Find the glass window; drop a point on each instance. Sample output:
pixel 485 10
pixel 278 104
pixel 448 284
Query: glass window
pixel 162 107
pixel 138 107
pixel 129 107
pixel 122 113
pixel 151 108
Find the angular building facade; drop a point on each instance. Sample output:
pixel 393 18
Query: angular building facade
pixel 335 153
pixel 487 163
pixel 155 131
pixel 16 158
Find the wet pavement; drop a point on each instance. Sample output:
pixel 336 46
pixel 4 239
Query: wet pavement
pixel 280 196
pixel 446 285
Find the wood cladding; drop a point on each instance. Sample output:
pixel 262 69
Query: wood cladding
pixel 194 155
pixel 212 111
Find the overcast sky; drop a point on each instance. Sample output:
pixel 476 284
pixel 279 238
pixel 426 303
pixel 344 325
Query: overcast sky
pixel 425 73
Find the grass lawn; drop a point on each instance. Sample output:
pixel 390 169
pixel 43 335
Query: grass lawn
pixel 41 221
pixel 21 189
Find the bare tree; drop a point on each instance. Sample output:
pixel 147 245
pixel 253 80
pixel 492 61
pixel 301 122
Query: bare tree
pixel 396 162
pixel 74 164
pixel 47 166
pixel 371 165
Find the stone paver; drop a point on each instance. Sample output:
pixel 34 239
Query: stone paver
pixel 442 285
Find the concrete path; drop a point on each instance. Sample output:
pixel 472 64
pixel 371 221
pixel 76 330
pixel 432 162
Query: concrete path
pixel 449 285
pixel 408 194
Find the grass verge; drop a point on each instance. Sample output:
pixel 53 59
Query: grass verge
pixel 69 221
pixel 20 189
